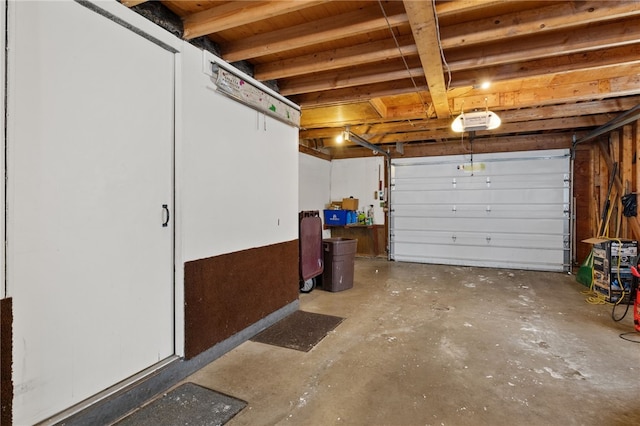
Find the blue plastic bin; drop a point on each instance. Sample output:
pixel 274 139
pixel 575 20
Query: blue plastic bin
pixel 335 217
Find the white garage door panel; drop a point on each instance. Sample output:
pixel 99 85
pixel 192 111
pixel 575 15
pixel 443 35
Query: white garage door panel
pixel 457 239
pixel 514 207
pixel 525 181
pixel 463 211
pixel 495 211
pixel 454 224
pixel 476 256
pixel 484 195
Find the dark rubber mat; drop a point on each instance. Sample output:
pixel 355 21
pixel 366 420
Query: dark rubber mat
pixel 188 404
pixel 300 331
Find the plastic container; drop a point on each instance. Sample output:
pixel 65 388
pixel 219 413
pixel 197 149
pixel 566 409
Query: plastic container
pixel 335 217
pixel 339 259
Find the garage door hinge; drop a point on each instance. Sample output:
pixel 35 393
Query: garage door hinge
pixel 567 180
pixel 566 211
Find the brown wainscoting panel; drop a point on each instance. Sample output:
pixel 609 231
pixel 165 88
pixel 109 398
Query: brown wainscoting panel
pixel 226 294
pixel 6 360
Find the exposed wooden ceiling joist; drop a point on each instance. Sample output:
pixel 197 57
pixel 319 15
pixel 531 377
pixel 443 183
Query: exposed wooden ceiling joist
pixel 426 34
pixel 346 25
pixel 556 16
pixel 235 14
pixel 555 65
pixel 350 56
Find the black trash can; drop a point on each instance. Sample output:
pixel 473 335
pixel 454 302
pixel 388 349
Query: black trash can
pixel 339 259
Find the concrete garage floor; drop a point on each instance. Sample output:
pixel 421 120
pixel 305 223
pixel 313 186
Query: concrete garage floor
pixel 443 345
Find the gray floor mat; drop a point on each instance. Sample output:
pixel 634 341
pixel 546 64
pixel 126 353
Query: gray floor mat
pixel 188 404
pixel 300 331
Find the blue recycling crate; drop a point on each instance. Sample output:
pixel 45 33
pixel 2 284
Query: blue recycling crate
pixel 335 217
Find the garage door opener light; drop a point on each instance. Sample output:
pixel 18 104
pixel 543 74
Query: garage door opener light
pixel 477 120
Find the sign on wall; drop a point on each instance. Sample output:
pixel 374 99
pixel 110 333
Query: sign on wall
pixel 245 92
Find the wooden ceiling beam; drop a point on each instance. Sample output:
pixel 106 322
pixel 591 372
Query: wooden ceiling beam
pixel 132 3
pixel 580 86
pixel 360 54
pixel 616 37
pixel 483 145
pixel 610 107
pixel 605 106
pixel 379 105
pixel 349 77
pixel 600 36
pixel 567 64
pixel 531 126
pixel 449 8
pixel 561 93
pixel 576 88
pixel 557 16
pixel 334 27
pixel 359 93
pixel 585 63
pixel 425 32
pixel 594 37
pixel 237 13
pixel 590 62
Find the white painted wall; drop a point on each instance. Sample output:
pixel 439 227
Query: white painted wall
pixel 358 177
pixel 239 182
pixel 89 164
pixel 314 180
pixel 236 170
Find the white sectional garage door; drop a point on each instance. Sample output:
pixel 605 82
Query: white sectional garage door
pixel 506 210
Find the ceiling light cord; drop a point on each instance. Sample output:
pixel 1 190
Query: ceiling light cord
pixel 444 60
pixel 415 86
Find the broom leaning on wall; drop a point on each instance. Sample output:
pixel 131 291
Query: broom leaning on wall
pixel 585 272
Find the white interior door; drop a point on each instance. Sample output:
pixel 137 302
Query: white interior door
pixel 90 264
pixel 507 210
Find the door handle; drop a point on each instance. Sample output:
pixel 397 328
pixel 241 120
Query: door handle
pixel 166 209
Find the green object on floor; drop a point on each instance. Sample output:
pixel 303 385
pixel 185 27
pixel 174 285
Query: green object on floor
pixel 585 272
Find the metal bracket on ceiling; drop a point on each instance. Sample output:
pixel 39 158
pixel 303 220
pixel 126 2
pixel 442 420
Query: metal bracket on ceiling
pixel 366 144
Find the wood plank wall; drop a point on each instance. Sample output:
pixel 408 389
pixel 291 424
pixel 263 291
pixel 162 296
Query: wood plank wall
pixel 593 166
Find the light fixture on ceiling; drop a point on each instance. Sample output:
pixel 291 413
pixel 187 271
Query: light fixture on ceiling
pixel 344 136
pixel 484 85
pixel 476 120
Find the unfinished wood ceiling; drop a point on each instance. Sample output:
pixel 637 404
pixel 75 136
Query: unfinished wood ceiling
pixel 398 72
